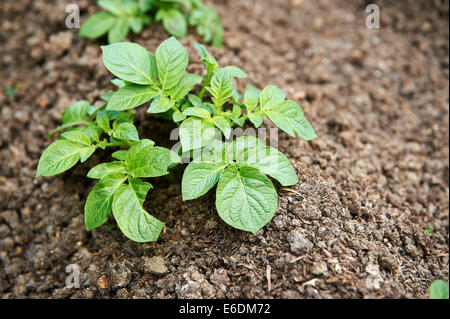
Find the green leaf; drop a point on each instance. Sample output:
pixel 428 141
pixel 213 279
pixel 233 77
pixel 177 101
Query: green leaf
pixel 270 96
pixel 289 117
pixel 136 24
pixel 102 121
pixel 99 201
pixel 251 98
pixel 118 82
pixel 86 152
pixel 438 289
pixel 120 155
pixel 256 118
pixel 107 96
pixel 93 132
pixel 77 136
pixel 195 100
pixel 207 58
pixel 236 72
pixel 186 84
pixel 76 112
pixel 130 62
pixel 113 6
pixel 126 131
pixel 223 125
pixel 221 87
pixel 177 116
pixel 172 60
pixel 132 219
pixel 174 22
pixel 119 31
pixel 58 157
pixel 237 111
pixel 131 96
pixel 97 25
pixel 251 151
pixel 198 112
pixel 145 160
pixel 245 199
pixel 102 170
pixel 196 133
pixel 200 177
pixel 161 104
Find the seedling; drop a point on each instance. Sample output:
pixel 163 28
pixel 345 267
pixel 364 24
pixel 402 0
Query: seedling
pixel 246 198
pixel 121 16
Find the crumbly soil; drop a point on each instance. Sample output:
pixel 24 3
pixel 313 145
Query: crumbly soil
pixel 353 227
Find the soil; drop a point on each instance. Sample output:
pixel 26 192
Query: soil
pixel 353 227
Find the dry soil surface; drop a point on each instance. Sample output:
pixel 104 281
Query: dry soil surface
pixel 353 227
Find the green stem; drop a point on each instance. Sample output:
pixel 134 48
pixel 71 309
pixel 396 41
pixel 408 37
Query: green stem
pixel 206 83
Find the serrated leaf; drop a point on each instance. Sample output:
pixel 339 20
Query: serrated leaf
pixel 99 201
pixel 172 60
pixel 58 158
pixel 251 98
pixel 186 84
pixel 130 62
pixel 97 25
pixel 146 160
pixel 289 117
pixel 174 22
pixel 132 219
pixel 221 87
pixel 119 31
pixel 76 136
pixel 270 96
pixel 222 124
pixel 104 169
pixel 199 178
pixel 161 104
pixel 76 112
pixel 245 199
pixel 196 133
pixel 251 151
pixel 131 96
pixel 198 112
pixel 126 131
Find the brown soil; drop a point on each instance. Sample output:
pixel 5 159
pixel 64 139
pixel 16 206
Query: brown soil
pixel 353 227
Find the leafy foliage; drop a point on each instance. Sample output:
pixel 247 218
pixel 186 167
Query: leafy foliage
pixel 121 16
pixel 242 167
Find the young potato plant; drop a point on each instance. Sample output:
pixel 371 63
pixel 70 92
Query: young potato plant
pixel 246 198
pixel 121 16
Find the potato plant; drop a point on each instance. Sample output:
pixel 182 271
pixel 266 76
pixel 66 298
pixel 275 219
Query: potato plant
pixel 241 167
pixel 121 16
